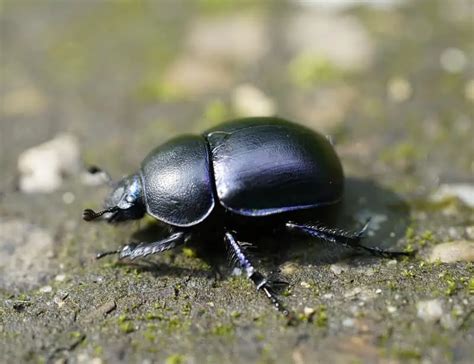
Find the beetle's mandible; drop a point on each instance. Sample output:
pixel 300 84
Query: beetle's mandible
pixel 252 168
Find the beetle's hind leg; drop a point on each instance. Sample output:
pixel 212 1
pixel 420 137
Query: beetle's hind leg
pixel 351 240
pixel 139 250
pixel 268 287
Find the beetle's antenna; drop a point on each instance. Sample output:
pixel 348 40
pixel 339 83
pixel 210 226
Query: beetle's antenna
pixel 89 215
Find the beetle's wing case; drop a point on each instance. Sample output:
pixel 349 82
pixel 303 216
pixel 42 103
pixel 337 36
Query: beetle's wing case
pixel 177 182
pixel 265 166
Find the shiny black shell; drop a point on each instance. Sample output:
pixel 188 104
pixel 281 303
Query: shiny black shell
pixel 252 167
pixel 177 181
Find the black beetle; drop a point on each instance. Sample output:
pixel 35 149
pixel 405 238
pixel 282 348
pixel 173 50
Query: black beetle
pixel 254 167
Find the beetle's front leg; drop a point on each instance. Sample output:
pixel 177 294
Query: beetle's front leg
pixel 139 250
pixel 262 283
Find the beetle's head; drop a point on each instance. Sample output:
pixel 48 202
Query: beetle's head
pixel 125 202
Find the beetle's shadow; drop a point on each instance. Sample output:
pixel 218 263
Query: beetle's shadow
pixel 363 199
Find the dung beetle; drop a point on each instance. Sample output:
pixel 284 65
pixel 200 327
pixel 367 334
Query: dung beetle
pixel 251 168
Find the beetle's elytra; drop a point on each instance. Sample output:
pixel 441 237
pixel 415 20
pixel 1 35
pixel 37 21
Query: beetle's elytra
pixel 254 167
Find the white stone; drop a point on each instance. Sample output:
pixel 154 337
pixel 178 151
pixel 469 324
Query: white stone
pixel 455 251
pixel 68 198
pixel 247 100
pixel 391 309
pixel 60 278
pixel 348 322
pixel 46 289
pixel 305 284
pixel 195 76
pixel 463 191
pixel 234 39
pixel 430 310
pixel 313 33
pixel 399 89
pixel 42 167
pixel 453 60
pixel 338 268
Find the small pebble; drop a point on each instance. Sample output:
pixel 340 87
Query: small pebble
pixel 68 198
pixel 289 268
pixel 338 268
pixel 305 284
pixel 430 310
pixel 453 60
pixel 378 291
pixel 391 262
pixel 60 298
pixel 399 89
pixel 247 100
pixel 46 289
pixel 391 309
pixel 470 232
pixel 455 251
pixel 348 322
pixel 60 278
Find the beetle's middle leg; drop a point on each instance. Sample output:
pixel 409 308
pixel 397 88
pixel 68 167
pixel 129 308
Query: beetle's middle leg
pixel 139 250
pixel 255 276
pixel 341 237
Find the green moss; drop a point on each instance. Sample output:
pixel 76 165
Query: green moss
pixel 407 354
pixel 471 286
pixel 150 335
pixel 127 327
pixel 225 6
pixel 452 287
pixel 189 253
pixel 427 237
pixel 214 113
pixel 223 330
pixel 175 359
pixel 321 316
pixel 75 334
pixel 308 70
pixel 235 314
pixel 154 89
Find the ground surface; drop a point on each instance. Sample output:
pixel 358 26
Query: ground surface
pixel 392 84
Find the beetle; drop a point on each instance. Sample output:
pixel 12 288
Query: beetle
pixel 253 168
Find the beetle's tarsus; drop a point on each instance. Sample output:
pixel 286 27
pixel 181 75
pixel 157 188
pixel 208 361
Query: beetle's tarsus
pixel 270 288
pixel 104 254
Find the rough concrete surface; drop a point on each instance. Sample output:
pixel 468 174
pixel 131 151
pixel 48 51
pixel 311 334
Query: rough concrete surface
pixel 391 83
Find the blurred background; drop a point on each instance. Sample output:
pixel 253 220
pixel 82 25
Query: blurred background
pixel 388 79
pixel 102 82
